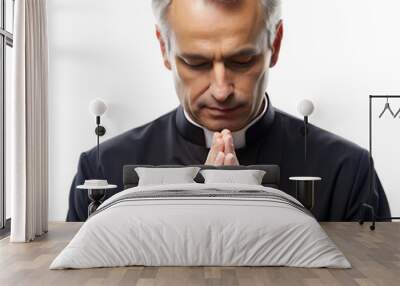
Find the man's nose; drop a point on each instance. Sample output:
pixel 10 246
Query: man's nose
pixel 221 85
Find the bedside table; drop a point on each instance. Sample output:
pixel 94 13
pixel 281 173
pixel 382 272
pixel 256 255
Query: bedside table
pixel 96 192
pixel 305 189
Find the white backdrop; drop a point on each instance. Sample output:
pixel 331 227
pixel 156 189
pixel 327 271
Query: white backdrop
pixel 335 53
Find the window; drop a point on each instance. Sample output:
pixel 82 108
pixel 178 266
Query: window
pixel 6 44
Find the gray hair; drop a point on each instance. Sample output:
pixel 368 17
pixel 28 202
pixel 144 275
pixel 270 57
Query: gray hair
pixel 272 15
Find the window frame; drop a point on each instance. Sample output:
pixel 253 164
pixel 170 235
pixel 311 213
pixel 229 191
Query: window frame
pixel 6 39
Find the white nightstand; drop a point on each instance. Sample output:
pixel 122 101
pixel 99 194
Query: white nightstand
pixel 96 192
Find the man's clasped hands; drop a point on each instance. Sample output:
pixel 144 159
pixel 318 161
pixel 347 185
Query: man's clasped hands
pixel 222 150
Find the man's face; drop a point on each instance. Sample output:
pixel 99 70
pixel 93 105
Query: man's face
pixel 220 58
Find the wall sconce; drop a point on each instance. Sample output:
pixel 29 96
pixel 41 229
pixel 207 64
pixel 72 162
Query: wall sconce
pixel 97 107
pixel 305 108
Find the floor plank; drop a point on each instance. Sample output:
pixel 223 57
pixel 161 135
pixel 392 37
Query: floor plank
pixel 374 255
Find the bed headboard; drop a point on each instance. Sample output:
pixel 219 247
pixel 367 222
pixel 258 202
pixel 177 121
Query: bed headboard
pixel 270 179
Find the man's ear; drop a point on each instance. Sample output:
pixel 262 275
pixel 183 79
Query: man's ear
pixel 276 46
pixel 163 48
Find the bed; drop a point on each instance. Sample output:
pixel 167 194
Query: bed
pixel 201 224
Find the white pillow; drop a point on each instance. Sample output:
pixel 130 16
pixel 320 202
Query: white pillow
pixel 249 177
pixel 162 176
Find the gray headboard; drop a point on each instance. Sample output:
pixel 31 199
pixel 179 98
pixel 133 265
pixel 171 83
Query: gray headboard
pixel 270 179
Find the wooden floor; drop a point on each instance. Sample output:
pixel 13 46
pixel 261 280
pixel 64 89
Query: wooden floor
pixel 375 257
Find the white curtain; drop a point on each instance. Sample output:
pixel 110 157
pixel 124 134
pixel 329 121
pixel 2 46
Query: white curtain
pixel 29 122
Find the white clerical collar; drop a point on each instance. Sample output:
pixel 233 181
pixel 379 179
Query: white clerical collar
pixel 239 137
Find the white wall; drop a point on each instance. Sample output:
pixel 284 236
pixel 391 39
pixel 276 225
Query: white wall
pixel 334 52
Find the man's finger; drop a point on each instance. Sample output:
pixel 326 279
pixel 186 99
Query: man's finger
pixel 230 160
pixel 219 161
pixel 215 148
pixel 216 135
pixel 219 146
pixel 228 143
pixel 225 132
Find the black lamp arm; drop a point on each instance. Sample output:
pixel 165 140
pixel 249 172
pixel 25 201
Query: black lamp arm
pixel 305 137
pixel 100 131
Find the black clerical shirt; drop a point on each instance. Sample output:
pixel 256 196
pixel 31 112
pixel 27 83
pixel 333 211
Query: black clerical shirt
pixel 276 138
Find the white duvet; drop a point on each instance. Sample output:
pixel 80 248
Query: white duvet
pixel 269 228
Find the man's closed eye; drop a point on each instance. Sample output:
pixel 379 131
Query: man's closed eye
pixel 232 64
pixel 241 63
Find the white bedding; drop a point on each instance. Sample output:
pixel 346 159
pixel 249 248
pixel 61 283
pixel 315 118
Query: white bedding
pixel 269 228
